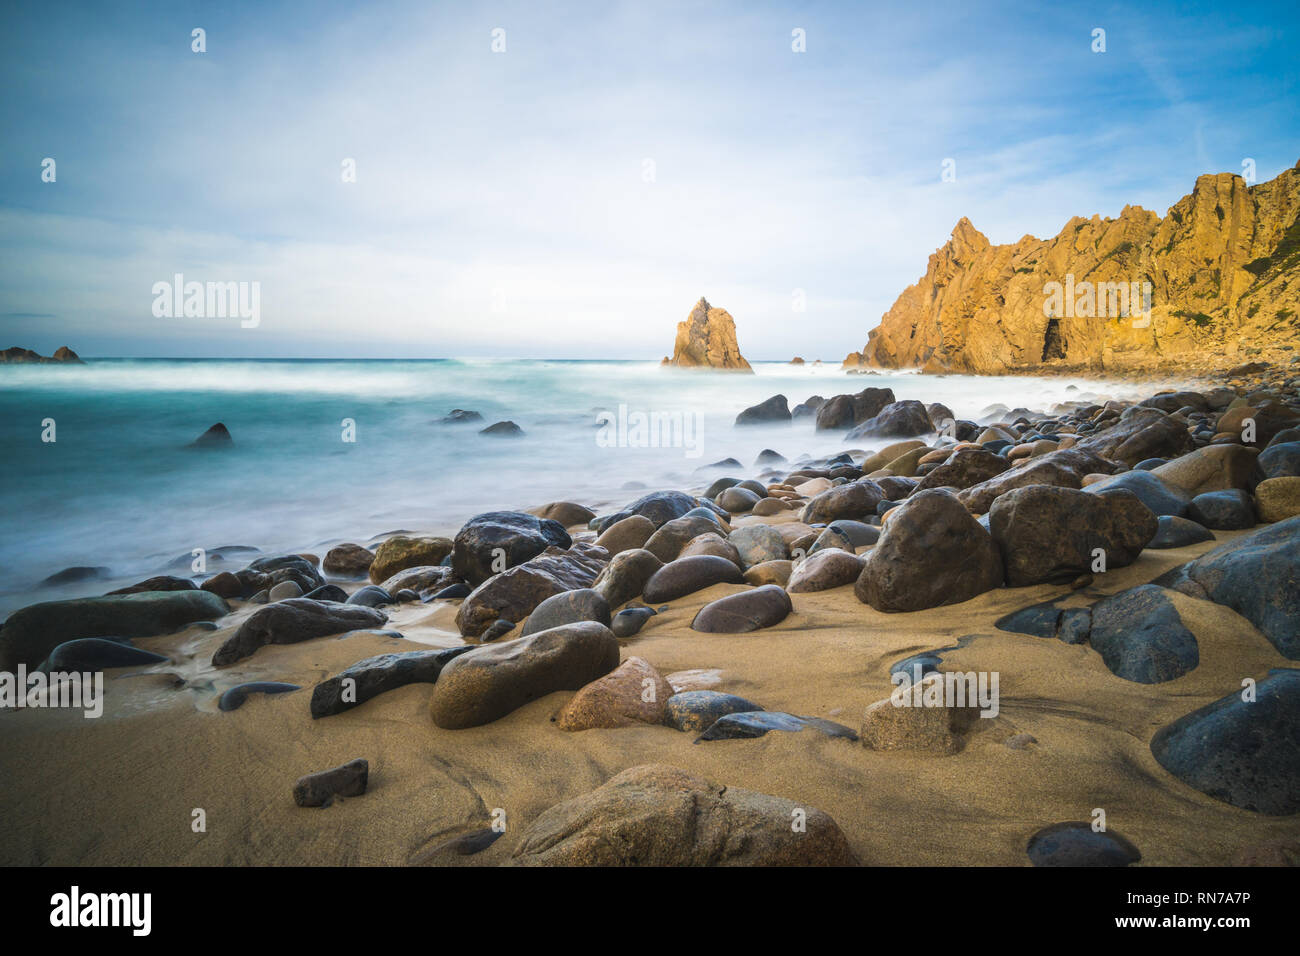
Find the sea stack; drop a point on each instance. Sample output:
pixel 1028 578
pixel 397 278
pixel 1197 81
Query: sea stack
pixel 707 339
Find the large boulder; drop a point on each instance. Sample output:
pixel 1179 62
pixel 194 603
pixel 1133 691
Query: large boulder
pixel 1141 432
pixel 1049 534
pixel 350 560
pixel 580 604
pixel 514 593
pixel 30 634
pixel 628 534
pixel 1160 497
pixel 626 575
pixel 855 500
pixel 687 575
pixel 963 468
pixel 896 420
pixel 490 681
pixel 1212 468
pixel 774 409
pixel 757 543
pixel 1279 461
pixel 745 611
pixel 658 507
pixel 403 551
pixel 1061 469
pixel 707 339
pixel 656 815
pixel 492 542
pixel 845 411
pixel 1141 636
pixel 294 620
pixel 633 693
pixel 932 552
pixel 1256 576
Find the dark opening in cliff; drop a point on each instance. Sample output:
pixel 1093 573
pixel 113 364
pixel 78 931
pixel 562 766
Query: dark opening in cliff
pixel 1053 344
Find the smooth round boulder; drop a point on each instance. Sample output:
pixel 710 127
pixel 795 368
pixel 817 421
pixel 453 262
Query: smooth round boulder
pixel 744 612
pixel 404 551
pixel 1174 532
pixel 1228 510
pixel 688 575
pixel 568 607
pixel 492 542
pixel 757 543
pixel 626 575
pixel 823 570
pixel 628 534
pixel 1278 498
pixel 348 561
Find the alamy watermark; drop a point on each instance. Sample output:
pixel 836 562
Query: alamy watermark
pixel 651 429
pixel 82 691
pixel 946 689
pixel 1101 300
pixel 208 300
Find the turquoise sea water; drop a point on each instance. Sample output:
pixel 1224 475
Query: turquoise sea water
pixel 119 489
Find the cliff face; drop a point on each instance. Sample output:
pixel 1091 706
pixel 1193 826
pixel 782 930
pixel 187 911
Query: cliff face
pixel 1222 270
pixel 707 339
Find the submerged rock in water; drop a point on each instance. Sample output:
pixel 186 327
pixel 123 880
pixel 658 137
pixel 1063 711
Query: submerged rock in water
pixel 218 436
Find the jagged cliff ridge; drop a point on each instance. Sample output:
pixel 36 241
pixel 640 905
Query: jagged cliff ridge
pixel 1223 269
pixel 707 339
pixel 22 356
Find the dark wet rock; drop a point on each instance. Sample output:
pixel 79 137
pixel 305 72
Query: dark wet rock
pixel 1281 461
pixel 373 676
pixel 695 711
pixel 931 552
pixel 834 538
pixel 769 457
pixel 658 507
pixel 1256 576
pixel 162 582
pixel 738 500
pixel 1141 636
pixel 284 590
pixel 657 815
pixel 289 622
pixel 490 681
pixel 402 552
pixel 1246 753
pixel 1174 532
pixel 775 409
pixel 854 501
pixel 626 575
pixel 667 542
pixel 629 621
pixel 1077 844
pixel 452 592
pixel 497 540
pixel 235 697
pixel 97 654
pixel 1229 510
pixel 1063 468
pixel 859 533
pixel 29 634
pixel 330 592
pixel 348 561
pixel 324 787
pixel 963 468
pixel 372 595
pixel 746 611
pixel 423 579
pixel 1139 433
pixel 747 725
pixel 823 570
pixel 719 486
pixel 845 411
pixel 266 573
pixel 756 543
pixel 688 575
pixel 1148 464
pixel 224 585
pixel 1159 497
pixel 218 436
pixel 1050 534
pixel 506 429
pixel 1075 626
pixel 580 604
pixel 497 630
pixel 1212 468
pixel 406 596
pixel 904 419
pixel 1170 402
pixel 460 416
pixel 567 513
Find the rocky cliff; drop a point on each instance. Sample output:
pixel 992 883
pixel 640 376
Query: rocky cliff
pixel 17 355
pixel 1221 273
pixel 707 339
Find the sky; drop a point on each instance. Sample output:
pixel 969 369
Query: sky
pixel 573 192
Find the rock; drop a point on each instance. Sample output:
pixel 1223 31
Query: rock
pixel 324 787
pixel 658 506
pixel 688 575
pixel 896 420
pixel 903 722
pixel 633 693
pixel 514 593
pixel 963 468
pixel 712 543
pixel 656 815
pixel 744 612
pixel 1254 575
pixel 824 570
pixel 834 538
pixel 291 621
pixel 162 582
pixel 223 585
pixel 490 681
pixel 1279 461
pixel 1278 499
pixel 695 711
pixel 97 654
pixel 774 409
pixel 1078 844
pixel 328 592
pixel 372 595
pixel 738 500
pixel 452 592
pixel 1160 498
pixel 707 339
pixel 1174 532
pixel 218 436
pixel 858 533
pixel 580 604
pixel 626 575
pixel 629 621
pixel 627 535
pixel 845 411
pixel 932 552
pixel 284 590
pixel 757 543
pixel 566 513
pixel 423 579
pixel 855 500
pixel 497 540
pixel 460 416
pixel 1243 753
pixel 891 453
pixel 266 573
pixel 236 696
pixel 1141 636
pixel 377 675
pixel 770 572
pixel 402 551
pixel 1063 469
pixel 769 457
pixel 350 561
pixel 506 429
pixel 1049 534
pixel 497 630
pixel 1139 433
pixel 1230 510
pixel 1212 468
pixel 748 725
pixel 667 543
pixel 30 634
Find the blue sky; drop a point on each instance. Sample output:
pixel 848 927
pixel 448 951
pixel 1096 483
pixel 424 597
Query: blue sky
pixel 501 203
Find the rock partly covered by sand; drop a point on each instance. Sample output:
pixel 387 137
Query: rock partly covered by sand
pixel 707 339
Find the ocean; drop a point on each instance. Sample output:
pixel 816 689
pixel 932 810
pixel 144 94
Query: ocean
pixel 118 489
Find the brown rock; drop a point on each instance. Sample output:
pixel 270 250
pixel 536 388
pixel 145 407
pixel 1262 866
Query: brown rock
pixel 514 593
pixel 349 561
pixel 707 339
pixel 402 551
pixel 627 534
pixel 632 693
